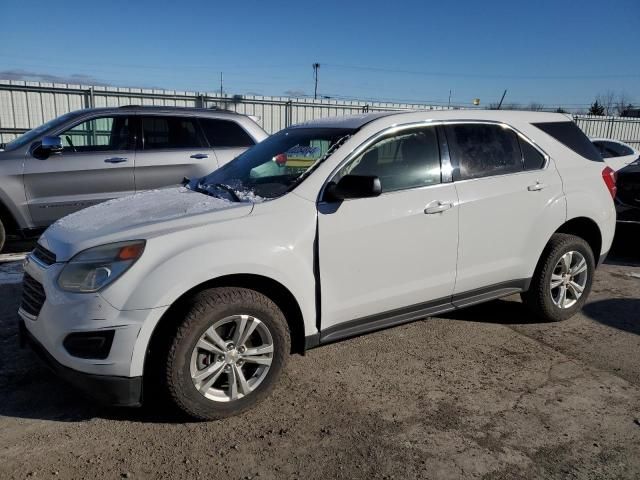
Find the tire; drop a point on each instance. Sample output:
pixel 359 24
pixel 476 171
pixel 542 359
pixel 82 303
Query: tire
pixel 225 309
pixel 542 298
pixel 3 236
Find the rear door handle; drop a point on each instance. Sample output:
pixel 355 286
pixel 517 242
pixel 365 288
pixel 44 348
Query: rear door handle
pixel 537 187
pixel 200 156
pixel 115 160
pixel 437 207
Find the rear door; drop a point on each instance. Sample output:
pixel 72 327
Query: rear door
pixel 226 137
pixel 511 200
pixel 96 164
pixel 172 147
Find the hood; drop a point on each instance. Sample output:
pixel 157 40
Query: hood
pixel 140 216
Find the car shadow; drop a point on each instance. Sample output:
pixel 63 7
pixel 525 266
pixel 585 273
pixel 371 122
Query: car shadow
pixel 29 390
pixel 502 312
pixel 620 313
pixel 19 246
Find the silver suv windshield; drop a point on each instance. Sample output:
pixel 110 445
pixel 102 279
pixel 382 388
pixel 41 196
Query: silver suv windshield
pixel 31 135
pixel 274 166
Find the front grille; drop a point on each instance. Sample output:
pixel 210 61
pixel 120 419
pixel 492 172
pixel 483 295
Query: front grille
pixel 33 295
pixel 43 255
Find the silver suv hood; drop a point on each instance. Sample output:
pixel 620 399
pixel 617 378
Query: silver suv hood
pixel 140 216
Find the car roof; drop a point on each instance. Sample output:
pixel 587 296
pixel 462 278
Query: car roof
pixel 357 121
pixel 156 110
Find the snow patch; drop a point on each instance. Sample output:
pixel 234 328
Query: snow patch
pixel 141 208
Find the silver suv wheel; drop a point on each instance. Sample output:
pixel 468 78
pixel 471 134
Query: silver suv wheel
pixel 231 358
pixel 568 279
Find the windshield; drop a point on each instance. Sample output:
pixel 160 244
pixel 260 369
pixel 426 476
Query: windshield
pixel 36 132
pixel 272 167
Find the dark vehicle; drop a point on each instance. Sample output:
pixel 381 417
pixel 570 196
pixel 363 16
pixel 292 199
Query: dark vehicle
pixel 628 196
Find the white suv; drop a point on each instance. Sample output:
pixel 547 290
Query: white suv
pixel 324 231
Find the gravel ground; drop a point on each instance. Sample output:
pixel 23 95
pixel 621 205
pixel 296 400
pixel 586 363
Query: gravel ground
pixel 480 393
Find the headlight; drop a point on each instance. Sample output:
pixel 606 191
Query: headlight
pixel 97 267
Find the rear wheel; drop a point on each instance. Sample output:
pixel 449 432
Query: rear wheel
pixel 562 280
pixel 227 353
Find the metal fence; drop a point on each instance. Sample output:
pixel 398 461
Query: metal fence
pixel 620 128
pixel 25 105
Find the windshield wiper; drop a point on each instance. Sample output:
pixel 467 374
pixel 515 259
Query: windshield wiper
pixel 220 186
pixel 232 193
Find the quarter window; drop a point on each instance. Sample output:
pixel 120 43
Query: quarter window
pixel 98 135
pixel 225 133
pixel 570 135
pixel 408 159
pixel 170 132
pixel 532 158
pixel 483 150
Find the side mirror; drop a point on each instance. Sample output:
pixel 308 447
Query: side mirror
pixel 353 186
pixel 51 145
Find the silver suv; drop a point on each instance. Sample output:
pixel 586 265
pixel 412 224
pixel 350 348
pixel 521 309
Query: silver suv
pixel 89 156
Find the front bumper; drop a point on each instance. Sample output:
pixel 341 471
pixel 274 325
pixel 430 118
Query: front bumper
pixel 114 376
pixel 108 389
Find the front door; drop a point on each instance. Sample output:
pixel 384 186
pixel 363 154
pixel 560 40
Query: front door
pixel 395 251
pixel 96 164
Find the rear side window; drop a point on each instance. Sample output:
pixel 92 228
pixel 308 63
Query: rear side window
pixel 171 132
pixel 612 149
pixel 483 150
pixel 570 135
pixel 532 158
pixel 225 133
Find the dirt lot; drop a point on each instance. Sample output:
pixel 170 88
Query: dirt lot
pixel 481 393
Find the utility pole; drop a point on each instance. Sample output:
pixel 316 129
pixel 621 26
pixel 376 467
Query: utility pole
pixel 316 67
pixel 449 105
pixel 221 83
pixel 502 99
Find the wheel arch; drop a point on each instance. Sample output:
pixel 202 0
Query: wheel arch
pixel 588 230
pixel 269 287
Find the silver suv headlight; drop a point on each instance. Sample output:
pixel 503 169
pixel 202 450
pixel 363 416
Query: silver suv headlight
pixel 97 267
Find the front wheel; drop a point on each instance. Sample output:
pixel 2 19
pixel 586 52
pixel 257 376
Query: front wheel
pixel 562 280
pixel 227 353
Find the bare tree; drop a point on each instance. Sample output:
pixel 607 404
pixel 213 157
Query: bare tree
pixel 535 107
pixel 608 101
pixel 622 103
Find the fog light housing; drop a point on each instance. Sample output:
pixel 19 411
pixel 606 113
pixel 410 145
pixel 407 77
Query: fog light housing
pixel 92 345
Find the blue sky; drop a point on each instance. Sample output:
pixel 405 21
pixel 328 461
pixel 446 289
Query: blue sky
pixel 552 52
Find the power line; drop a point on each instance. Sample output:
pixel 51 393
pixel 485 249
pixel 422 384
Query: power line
pixel 475 75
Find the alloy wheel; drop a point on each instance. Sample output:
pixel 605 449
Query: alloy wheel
pixel 569 279
pixel 232 358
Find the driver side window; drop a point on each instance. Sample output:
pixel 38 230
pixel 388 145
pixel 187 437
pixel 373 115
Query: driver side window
pixel 98 135
pixel 407 159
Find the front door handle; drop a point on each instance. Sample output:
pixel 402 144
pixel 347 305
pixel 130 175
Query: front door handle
pixel 437 207
pixel 537 187
pixel 200 156
pixel 115 160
